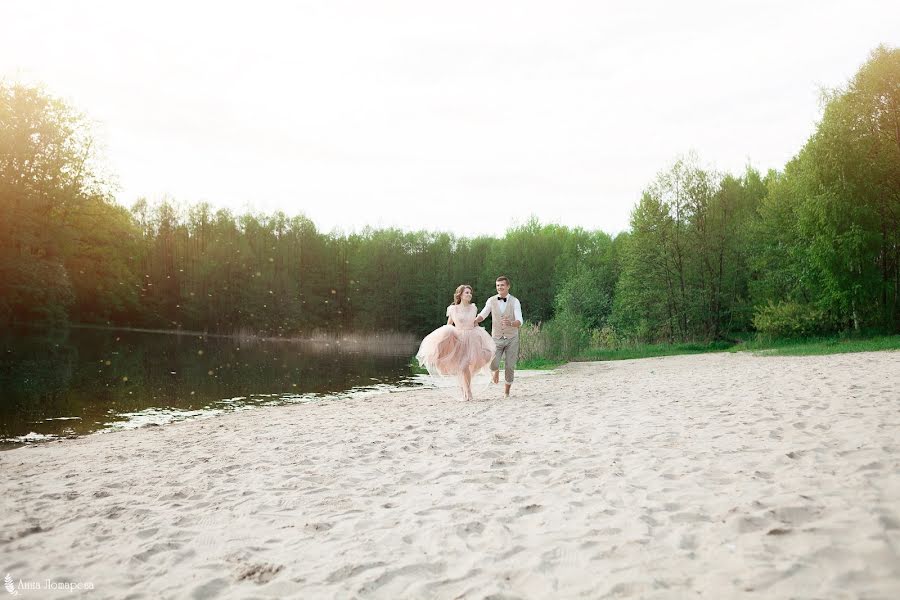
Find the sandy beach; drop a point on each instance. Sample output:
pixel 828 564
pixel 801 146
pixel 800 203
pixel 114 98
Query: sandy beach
pixel 708 476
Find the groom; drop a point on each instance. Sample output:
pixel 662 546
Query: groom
pixel 506 318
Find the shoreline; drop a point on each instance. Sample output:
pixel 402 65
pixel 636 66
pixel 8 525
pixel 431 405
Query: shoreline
pixel 710 475
pixel 149 417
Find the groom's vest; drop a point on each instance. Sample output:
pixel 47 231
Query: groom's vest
pixel 497 328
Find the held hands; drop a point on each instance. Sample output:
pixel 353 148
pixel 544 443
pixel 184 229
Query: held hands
pixel 505 320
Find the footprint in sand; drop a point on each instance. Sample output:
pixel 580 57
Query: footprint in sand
pixel 872 466
pixel 318 527
pixel 419 572
pixel 796 515
pixel 471 528
pixel 752 524
pixel 348 571
pixel 155 549
pixel 210 589
pixel 114 512
pixel 649 520
pixel 687 542
pixel 530 509
pixel 687 517
pixel 145 533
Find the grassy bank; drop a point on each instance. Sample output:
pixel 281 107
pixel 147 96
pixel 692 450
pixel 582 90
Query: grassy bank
pixel 790 347
pixel 764 347
pixel 821 345
pixel 651 350
pixel 542 346
pixel 538 364
pixel 781 347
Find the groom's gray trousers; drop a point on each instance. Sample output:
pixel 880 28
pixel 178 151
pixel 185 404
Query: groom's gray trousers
pixel 508 351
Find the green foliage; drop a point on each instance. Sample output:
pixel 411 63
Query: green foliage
pixel 829 232
pixel 528 255
pixel 789 320
pixel 292 279
pixel 605 337
pixel 814 248
pixel 684 273
pixel 415 368
pixel 562 338
pixel 48 191
pixel 36 290
pixel 532 344
pixel 834 344
pixel 101 263
pixel 567 335
pixel 538 364
pixel 633 351
pixel 589 270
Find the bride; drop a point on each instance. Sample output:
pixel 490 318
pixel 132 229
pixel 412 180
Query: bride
pixel 459 348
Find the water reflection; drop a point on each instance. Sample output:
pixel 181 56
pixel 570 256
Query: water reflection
pixel 78 381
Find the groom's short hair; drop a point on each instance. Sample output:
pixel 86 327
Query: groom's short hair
pixel 503 278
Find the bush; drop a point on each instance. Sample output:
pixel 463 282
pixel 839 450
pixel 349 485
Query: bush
pixel 568 334
pixel 562 338
pixel 605 338
pixel 533 344
pixel 789 320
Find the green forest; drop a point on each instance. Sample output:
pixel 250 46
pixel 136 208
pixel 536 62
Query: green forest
pixel 811 249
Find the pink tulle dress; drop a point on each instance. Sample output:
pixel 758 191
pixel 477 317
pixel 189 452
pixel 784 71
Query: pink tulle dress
pixel 449 350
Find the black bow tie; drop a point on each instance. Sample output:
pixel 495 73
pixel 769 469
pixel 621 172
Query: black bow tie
pixel 501 299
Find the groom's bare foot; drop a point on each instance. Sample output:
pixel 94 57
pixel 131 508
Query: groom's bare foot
pixel 506 391
pixel 495 376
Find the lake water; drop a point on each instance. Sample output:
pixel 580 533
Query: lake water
pixel 77 381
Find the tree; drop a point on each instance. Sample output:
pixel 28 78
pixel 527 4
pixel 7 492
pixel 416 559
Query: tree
pixel 48 179
pixel 684 272
pixel 101 263
pixel 829 233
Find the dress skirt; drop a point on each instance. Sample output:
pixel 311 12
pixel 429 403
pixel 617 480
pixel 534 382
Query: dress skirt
pixel 449 351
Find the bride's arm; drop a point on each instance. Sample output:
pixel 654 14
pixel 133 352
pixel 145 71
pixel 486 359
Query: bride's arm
pixel 483 314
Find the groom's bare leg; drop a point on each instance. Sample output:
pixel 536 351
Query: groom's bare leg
pixel 512 357
pixel 495 364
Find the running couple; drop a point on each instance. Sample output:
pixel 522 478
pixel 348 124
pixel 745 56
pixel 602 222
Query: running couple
pixel 461 349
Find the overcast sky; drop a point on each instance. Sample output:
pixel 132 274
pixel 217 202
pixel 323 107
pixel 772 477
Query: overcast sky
pixel 460 116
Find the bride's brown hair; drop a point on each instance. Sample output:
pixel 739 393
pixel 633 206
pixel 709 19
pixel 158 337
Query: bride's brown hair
pixel 457 295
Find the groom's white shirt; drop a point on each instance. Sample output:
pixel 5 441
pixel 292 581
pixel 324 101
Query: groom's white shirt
pixel 510 299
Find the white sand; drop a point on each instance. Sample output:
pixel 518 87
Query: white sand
pixel 711 476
